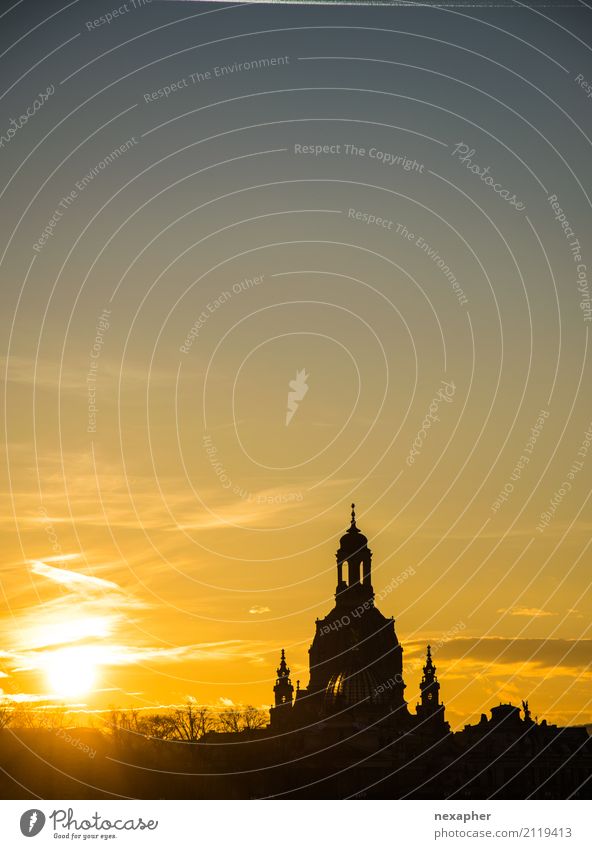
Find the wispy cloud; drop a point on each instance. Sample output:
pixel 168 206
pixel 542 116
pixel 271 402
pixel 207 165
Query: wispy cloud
pixel 531 612
pixel 65 377
pixel 23 698
pixel 91 616
pixel 466 656
pixel 73 580
pixel 258 508
pixel 82 609
pixel 221 650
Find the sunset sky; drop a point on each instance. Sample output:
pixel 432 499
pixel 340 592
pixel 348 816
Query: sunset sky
pixel 165 532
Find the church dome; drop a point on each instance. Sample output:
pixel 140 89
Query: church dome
pixel 353 686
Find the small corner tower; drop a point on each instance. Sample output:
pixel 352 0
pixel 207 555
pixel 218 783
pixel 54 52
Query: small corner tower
pixel 283 692
pixel 430 712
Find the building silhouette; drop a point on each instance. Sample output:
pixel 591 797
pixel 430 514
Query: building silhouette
pixel 356 660
pixel 350 731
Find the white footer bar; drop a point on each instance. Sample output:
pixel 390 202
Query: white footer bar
pixel 295 824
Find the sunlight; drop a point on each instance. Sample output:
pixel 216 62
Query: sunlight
pixel 71 671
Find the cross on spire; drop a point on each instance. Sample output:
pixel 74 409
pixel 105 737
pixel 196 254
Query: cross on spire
pixel 429 668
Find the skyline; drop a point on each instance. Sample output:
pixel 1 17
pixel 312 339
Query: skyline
pixel 510 661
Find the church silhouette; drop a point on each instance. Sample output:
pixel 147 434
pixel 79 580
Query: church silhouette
pixel 356 660
pixel 350 733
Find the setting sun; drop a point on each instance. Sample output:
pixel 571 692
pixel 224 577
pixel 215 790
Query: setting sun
pixel 71 671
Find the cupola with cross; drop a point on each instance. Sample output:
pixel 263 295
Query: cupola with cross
pixel 354 552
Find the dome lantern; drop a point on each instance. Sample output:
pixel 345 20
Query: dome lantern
pixel 353 550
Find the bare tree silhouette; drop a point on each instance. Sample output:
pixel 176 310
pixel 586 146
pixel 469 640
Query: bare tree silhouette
pixel 234 719
pixel 6 714
pixel 27 715
pixel 192 721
